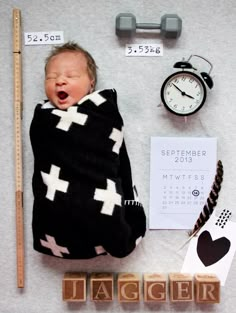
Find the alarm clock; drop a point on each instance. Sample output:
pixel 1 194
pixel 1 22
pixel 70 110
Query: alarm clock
pixel 184 92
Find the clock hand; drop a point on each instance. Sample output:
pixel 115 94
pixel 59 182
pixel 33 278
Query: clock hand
pixel 183 92
pixel 188 96
pixel 178 89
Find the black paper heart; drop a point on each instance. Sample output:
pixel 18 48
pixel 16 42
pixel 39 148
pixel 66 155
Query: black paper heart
pixel 211 251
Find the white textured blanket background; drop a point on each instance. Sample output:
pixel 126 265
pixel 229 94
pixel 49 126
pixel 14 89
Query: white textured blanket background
pixel 208 30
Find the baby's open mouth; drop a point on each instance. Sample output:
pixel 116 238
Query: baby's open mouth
pixel 62 95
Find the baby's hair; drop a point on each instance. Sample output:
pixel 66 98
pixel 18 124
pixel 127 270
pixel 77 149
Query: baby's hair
pixel 71 46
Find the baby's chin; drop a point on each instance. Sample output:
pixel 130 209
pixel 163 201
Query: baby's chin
pixel 63 106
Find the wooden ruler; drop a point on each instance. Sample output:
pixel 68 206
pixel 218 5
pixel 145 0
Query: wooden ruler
pixel 18 146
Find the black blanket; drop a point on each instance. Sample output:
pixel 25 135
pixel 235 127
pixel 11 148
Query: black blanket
pixel 84 201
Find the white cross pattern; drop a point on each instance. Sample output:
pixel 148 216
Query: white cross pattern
pixel 52 245
pixel 53 182
pixel 109 196
pixel 100 250
pixel 138 240
pixel 68 117
pixel 117 136
pixel 95 97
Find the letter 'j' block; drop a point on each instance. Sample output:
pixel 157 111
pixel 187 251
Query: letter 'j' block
pixel 128 286
pixel 155 287
pixel 181 287
pixel 207 288
pixel 74 287
pixel 102 287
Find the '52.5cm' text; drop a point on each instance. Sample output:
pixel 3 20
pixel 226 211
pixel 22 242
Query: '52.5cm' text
pixel 44 38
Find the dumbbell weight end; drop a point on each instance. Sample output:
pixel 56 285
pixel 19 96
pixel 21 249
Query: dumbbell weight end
pixel 171 26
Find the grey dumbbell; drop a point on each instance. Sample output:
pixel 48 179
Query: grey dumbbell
pixel 170 26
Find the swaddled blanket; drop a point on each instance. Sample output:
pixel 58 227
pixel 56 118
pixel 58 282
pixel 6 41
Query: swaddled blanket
pixel 84 200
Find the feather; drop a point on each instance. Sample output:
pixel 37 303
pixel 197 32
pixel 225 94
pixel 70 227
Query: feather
pixel 211 200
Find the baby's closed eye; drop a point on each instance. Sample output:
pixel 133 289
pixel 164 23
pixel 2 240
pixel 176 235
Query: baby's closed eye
pixel 50 77
pixel 73 75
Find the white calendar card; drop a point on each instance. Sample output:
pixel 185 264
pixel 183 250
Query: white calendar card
pixel 182 172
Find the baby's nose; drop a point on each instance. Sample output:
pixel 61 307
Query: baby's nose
pixel 60 80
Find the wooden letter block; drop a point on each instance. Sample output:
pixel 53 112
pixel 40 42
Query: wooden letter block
pixel 128 286
pixel 155 289
pixel 181 287
pixel 74 287
pixel 101 287
pixel 207 288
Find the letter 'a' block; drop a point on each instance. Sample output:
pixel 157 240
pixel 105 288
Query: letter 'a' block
pixel 74 287
pixel 155 287
pixel 207 288
pixel 102 287
pixel 181 287
pixel 128 287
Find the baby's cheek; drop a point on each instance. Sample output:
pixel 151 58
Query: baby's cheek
pixel 49 87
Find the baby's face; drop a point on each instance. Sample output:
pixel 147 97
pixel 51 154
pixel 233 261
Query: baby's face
pixel 67 80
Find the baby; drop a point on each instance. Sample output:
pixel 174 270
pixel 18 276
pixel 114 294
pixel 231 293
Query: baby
pixel 85 203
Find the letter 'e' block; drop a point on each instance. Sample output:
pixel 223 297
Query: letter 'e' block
pixel 101 287
pixel 207 288
pixel 181 287
pixel 155 289
pixel 74 287
pixel 128 286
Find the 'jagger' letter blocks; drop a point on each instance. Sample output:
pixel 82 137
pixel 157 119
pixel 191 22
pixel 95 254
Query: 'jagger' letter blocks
pixel 155 287
pixel 205 288
pixel 181 287
pixel 128 285
pixel 74 287
pixel 101 286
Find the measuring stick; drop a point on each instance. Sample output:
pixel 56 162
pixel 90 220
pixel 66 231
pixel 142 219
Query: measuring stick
pixel 18 146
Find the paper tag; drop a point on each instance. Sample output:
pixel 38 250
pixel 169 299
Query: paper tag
pixel 144 50
pixel 212 249
pixel 44 38
pixel 181 176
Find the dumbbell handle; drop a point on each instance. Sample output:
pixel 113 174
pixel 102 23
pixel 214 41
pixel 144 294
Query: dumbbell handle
pixel 148 26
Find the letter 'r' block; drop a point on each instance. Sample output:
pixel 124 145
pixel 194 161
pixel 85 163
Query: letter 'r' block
pixel 74 287
pixel 155 289
pixel 207 288
pixel 128 286
pixel 181 287
pixel 102 287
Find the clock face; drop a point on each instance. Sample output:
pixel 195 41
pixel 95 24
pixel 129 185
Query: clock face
pixel 183 93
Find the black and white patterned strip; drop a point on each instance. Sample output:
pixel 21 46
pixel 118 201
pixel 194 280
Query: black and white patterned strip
pixel 132 202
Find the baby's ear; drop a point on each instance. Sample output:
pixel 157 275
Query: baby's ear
pixel 92 86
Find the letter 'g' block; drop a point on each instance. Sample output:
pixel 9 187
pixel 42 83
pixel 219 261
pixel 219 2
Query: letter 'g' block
pixel 207 288
pixel 181 287
pixel 102 287
pixel 155 289
pixel 74 287
pixel 128 286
